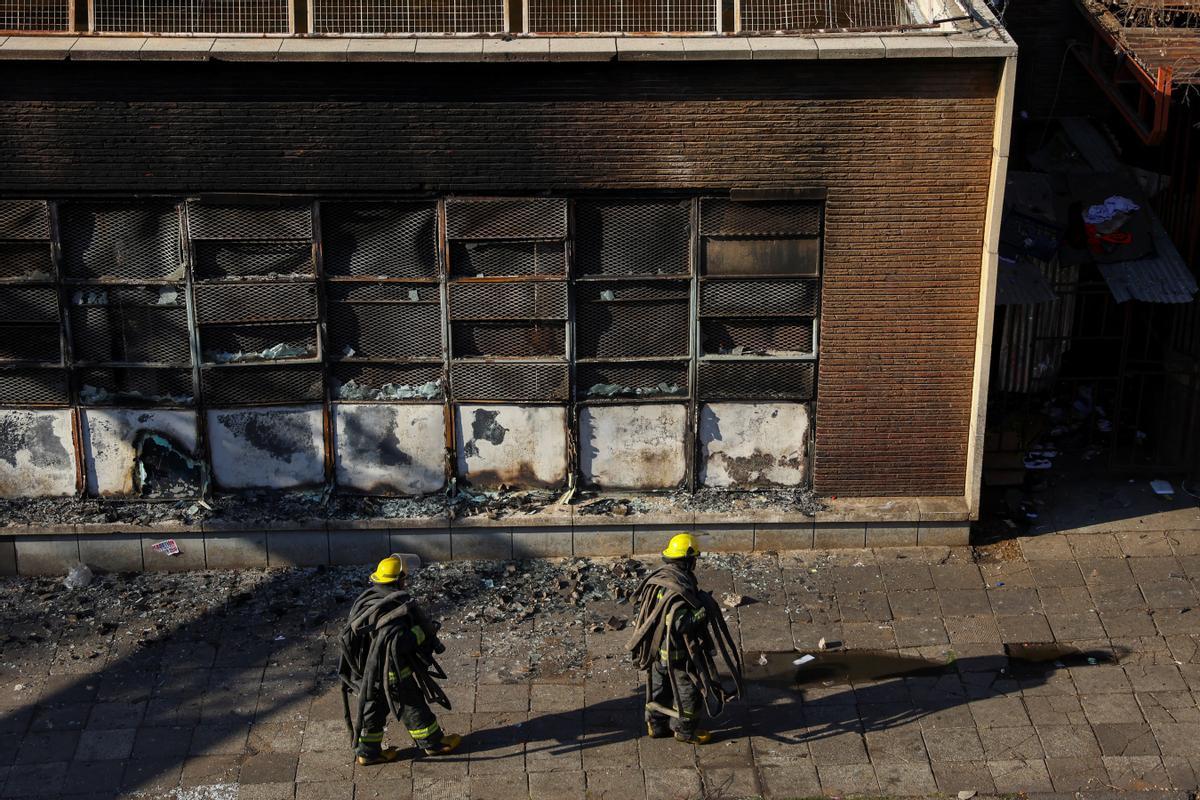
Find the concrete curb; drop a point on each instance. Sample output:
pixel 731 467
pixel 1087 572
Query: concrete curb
pixel 129 548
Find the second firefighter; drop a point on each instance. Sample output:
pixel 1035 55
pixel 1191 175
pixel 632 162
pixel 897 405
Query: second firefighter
pixel 678 634
pixel 388 647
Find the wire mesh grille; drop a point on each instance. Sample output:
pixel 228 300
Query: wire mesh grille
pixel 28 304
pixel 103 386
pixel 30 343
pixel 537 218
pixel 192 16
pixel 118 240
pixel 599 381
pixel 507 259
pixel 507 340
pixel 344 292
pixel 632 238
pixel 758 298
pixel 385 331
pixel 727 218
pixel 740 337
pixel 23 219
pixel 261 222
pixel 606 330
pixel 615 16
pixel 379 239
pixel 35 15
pixel 251 385
pixel 629 291
pixel 508 300
pixel 524 382
pixel 808 15
pixel 408 16
pixel 224 259
pixel 756 380
pixel 32 386
pixel 154 334
pixel 399 382
pixel 220 344
pixel 255 302
pixel 26 260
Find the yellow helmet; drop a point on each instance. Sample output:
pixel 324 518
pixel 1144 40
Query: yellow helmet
pixel 390 570
pixel 682 545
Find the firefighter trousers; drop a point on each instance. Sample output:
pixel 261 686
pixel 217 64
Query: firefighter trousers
pixel 415 714
pixel 662 693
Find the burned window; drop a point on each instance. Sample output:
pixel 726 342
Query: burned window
pixel 257 309
pixel 759 296
pixel 32 370
pixel 383 300
pixel 507 295
pixel 126 300
pixel 632 293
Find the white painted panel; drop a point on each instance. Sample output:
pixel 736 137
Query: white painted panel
pixel 754 444
pixel 517 446
pixel 274 448
pixel 110 442
pixel 633 447
pixel 37 453
pixel 390 449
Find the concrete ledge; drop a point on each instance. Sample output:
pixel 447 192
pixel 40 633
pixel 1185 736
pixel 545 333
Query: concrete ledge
pixel 159 48
pixel 583 49
pixel 430 545
pixel 245 49
pixel 8 557
pixel 782 47
pixel 106 48
pixel 381 49
pixel 657 48
pixel 119 553
pixel 46 555
pixel 843 47
pixel 990 46
pixel 297 548
pixel 854 523
pixel 518 48
pixel 314 49
pixel 715 49
pixel 49 48
pixel 917 47
pixel 449 50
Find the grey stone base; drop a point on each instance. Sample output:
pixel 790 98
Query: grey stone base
pixel 129 551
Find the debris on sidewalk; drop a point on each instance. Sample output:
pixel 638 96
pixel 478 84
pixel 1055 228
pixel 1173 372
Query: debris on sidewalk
pixel 78 576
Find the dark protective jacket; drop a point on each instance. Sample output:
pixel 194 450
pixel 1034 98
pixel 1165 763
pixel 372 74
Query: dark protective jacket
pixel 681 627
pixel 387 639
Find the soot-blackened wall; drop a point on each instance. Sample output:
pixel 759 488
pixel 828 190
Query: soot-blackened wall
pixel 903 153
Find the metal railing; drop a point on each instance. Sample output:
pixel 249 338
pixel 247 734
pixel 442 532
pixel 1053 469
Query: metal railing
pixel 623 16
pixel 192 16
pixel 408 16
pixel 35 15
pixel 761 16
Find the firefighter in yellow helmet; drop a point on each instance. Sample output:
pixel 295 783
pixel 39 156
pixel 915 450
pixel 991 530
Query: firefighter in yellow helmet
pixel 388 647
pixel 677 636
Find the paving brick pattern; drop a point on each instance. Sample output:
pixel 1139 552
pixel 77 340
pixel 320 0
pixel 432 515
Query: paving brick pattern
pixel 231 706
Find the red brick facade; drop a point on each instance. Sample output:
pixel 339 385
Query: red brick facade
pixel 903 151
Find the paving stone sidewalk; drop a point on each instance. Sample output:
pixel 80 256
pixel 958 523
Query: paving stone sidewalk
pixel 238 700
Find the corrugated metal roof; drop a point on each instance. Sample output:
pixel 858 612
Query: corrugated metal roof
pixel 1020 283
pixel 1159 278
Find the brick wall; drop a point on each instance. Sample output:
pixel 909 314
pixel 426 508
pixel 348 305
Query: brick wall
pixel 903 151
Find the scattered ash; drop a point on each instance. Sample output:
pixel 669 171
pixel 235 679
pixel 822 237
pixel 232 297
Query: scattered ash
pixel 532 618
pixel 710 501
pixel 272 506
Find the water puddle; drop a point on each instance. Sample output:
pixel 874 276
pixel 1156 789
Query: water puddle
pixel 828 668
